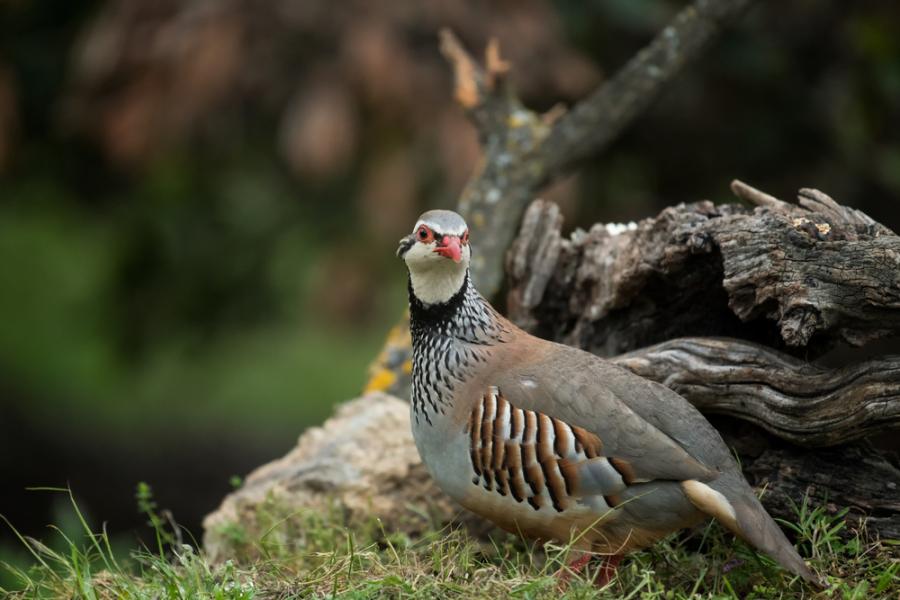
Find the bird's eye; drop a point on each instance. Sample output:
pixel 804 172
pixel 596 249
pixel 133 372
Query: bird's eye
pixel 465 237
pixel 424 234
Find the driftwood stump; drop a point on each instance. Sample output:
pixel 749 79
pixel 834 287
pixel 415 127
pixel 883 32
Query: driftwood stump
pixel 779 273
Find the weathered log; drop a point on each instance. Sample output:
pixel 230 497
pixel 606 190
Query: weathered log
pixel 795 400
pixel 780 274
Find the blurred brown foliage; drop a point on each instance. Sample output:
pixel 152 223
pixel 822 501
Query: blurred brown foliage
pixel 149 75
pixel 8 117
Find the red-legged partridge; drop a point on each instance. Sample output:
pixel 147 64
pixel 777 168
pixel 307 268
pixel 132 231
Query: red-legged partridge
pixel 553 442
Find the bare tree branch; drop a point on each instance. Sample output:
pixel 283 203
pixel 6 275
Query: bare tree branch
pixel 481 92
pixel 598 119
pixel 524 151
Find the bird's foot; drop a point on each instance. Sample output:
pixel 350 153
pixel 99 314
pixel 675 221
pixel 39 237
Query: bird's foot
pixel 607 569
pixel 604 575
pixel 565 574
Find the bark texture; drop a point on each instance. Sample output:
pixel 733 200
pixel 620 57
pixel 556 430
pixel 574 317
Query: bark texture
pixel 856 477
pixel 794 276
pixel 801 402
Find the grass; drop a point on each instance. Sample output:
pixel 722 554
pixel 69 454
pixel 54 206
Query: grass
pixel 319 554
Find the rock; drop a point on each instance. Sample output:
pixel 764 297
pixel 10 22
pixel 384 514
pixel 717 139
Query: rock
pixel 361 462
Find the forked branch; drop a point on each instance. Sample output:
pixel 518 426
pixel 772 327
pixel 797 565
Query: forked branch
pixel 523 151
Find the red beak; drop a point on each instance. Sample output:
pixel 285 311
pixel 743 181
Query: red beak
pixel 450 247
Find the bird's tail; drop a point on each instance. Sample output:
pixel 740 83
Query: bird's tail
pixel 731 501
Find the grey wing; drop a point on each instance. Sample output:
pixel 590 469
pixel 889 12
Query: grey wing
pixel 673 415
pixel 618 406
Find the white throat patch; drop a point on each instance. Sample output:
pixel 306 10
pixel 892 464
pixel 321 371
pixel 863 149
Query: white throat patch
pixel 438 285
pixel 435 278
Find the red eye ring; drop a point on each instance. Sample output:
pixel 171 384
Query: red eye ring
pixel 465 237
pixel 424 234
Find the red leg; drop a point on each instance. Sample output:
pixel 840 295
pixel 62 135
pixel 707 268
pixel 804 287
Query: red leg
pixel 575 566
pixel 607 570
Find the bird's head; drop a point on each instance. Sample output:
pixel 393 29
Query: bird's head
pixel 437 255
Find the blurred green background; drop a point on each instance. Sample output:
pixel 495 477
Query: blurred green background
pixel 199 201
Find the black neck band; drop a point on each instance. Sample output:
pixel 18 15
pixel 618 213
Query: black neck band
pixel 430 315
